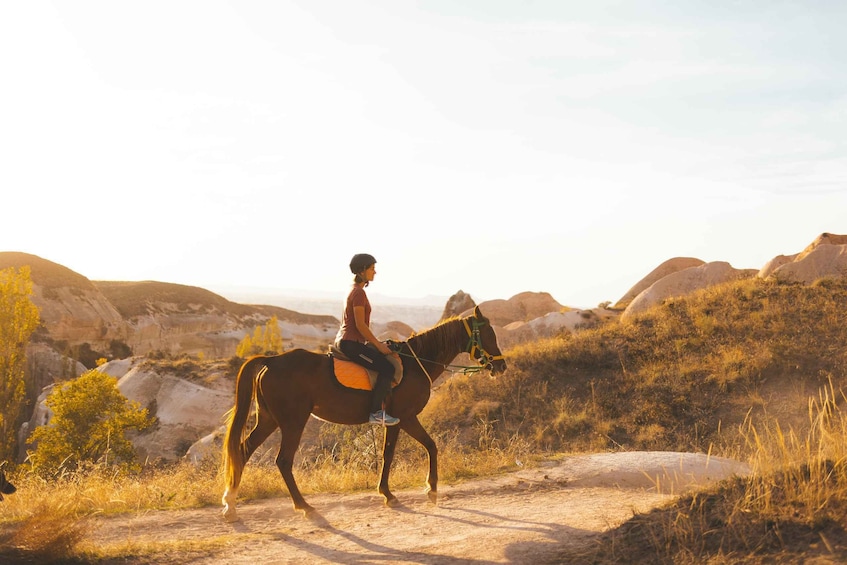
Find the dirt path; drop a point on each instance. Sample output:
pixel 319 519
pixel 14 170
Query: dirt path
pixel 524 517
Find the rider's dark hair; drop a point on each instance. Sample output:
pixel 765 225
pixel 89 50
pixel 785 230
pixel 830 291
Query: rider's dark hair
pixel 359 264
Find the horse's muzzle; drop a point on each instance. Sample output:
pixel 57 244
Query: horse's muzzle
pixel 496 367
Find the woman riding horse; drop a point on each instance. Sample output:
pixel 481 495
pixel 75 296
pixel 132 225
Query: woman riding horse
pixel 288 388
pixel 356 340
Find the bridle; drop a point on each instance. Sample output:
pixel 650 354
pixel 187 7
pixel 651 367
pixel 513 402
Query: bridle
pixel 474 348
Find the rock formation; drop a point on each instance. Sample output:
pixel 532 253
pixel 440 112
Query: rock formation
pixel 669 267
pixel 185 408
pixel 456 304
pixel 521 307
pixel 397 331
pixel 826 256
pixel 685 282
pixel 550 325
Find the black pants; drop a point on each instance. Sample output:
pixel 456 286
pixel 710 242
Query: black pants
pixel 371 359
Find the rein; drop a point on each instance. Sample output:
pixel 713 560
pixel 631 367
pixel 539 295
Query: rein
pixel 474 346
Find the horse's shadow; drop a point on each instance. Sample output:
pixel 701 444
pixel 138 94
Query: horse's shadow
pixel 556 536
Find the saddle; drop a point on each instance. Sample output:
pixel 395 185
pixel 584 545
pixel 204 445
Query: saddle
pixel 352 375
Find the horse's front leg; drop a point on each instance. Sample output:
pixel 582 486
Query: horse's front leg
pixel 388 447
pixel 414 428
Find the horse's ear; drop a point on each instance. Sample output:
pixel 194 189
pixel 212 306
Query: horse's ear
pixel 477 313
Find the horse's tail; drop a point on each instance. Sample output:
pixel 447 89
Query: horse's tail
pixel 234 456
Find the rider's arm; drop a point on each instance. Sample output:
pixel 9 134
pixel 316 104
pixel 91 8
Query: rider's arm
pixel 359 313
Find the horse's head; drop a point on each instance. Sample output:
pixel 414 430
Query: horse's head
pixel 483 343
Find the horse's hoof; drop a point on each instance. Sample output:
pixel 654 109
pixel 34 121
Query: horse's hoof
pixel 432 495
pixel 392 502
pixel 229 514
pixel 306 511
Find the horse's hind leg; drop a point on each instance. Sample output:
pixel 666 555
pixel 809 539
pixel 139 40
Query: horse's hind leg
pixel 414 428
pixel 265 426
pixel 292 431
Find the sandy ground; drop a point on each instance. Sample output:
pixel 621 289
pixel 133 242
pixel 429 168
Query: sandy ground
pixel 524 517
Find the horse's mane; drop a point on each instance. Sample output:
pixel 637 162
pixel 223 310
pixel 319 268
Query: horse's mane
pixel 437 338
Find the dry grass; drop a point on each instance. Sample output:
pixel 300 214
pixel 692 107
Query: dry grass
pixel 791 509
pixel 681 377
pixel 47 521
pixel 49 533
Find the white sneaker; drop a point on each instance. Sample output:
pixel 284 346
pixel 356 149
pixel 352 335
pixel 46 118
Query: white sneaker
pixel 383 419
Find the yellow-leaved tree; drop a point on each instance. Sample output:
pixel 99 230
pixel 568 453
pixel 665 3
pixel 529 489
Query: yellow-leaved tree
pixel 90 418
pixel 266 340
pixel 18 320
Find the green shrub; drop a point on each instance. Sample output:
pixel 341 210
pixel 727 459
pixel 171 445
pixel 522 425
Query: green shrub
pixel 90 418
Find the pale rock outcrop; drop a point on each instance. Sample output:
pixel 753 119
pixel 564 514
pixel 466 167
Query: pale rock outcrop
pixel 521 307
pixel 826 256
pixel 48 366
pixel 41 415
pixel 456 304
pixel 396 331
pixel 823 261
pixel 79 315
pixel 184 410
pixel 775 264
pixel 535 315
pixel 550 325
pixel 823 239
pixel 780 260
pixel 207 448
pixel 667 268
pixel 685 282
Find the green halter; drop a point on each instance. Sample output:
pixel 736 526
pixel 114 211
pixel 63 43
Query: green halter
pixel 475 344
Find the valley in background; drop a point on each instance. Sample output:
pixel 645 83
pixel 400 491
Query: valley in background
pixel 419 313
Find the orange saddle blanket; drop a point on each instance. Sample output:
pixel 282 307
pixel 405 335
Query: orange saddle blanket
pixel 353 375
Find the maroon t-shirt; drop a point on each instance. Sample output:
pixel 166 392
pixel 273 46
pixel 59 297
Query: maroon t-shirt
pixel 348 330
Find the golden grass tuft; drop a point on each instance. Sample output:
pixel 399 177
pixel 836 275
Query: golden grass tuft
pixel 49 533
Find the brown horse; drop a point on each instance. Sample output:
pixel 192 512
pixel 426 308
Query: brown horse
pixel 287 388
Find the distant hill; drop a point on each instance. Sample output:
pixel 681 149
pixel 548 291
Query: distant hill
pixel 148 316
pixel 44 273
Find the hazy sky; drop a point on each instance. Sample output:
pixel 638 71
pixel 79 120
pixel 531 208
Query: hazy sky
pixel 489 146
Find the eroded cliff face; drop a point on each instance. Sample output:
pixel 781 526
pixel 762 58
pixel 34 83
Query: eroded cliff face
pixel 78 315
pixel 151 316
pixel 214 334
